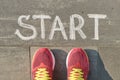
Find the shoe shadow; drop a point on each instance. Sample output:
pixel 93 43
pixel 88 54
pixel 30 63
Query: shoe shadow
pixel 60 65
pixel 97 69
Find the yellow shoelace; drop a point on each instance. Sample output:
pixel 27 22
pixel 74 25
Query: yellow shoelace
pixel 42 74
pixel 76 74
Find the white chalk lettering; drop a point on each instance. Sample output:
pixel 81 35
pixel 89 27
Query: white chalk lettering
pixel 77 28
pixel 96 18
pixel 54 28
pixel 57 26
pixel 23 25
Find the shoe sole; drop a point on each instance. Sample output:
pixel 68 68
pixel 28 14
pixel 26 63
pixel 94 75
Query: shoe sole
pixel 53 59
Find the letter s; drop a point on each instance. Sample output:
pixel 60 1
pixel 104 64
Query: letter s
pixel 17 32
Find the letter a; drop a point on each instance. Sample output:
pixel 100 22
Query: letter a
pixel 54 28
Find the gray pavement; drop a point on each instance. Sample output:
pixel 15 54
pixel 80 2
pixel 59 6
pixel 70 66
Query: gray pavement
pixel 16 53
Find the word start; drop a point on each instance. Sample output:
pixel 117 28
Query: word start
pixel 57 25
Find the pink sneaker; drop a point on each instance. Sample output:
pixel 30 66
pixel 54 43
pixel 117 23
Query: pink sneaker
pixel 43 64
pixel 77 64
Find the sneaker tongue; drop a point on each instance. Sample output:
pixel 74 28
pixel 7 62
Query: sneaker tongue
pixel 42 65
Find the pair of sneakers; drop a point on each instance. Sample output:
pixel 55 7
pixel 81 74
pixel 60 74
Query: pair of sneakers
pixel 43 64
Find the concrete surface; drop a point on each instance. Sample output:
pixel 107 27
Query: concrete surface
pixel 14 63
pixel 109 29
pixel 16 54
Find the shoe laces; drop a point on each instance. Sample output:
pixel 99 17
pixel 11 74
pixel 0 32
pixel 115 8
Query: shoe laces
pixel 42 74
pixel 76 74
